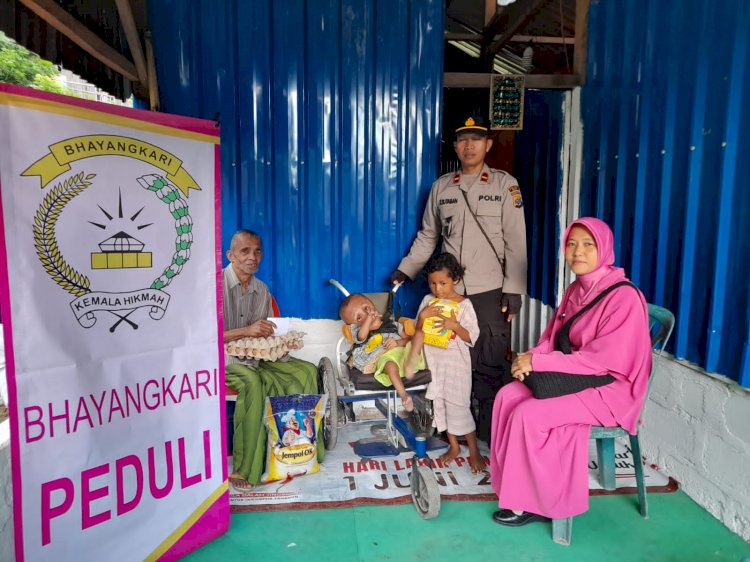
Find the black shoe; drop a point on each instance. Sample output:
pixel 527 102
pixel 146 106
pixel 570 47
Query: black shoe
pixel 507 517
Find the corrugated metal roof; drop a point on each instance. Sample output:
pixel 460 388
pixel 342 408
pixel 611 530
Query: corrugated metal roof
pixel 100 16
pixel 556 18
pixel 505 62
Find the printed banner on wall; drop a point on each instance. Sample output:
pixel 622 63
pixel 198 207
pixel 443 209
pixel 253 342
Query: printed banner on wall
pixel 111 310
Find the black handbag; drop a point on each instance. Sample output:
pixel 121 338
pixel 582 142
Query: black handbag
pixel 550 384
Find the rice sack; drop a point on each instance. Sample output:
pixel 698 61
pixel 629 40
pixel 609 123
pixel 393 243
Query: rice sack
pixel 293 424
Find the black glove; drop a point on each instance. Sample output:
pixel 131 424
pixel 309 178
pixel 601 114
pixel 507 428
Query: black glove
pixel 511 303
pixel 398 276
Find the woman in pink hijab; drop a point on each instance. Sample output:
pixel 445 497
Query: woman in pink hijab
pixel 539 447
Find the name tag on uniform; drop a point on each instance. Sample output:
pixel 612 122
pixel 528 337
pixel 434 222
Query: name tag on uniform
pixel 448 201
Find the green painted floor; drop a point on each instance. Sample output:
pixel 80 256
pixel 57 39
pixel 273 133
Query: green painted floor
pixel 678 529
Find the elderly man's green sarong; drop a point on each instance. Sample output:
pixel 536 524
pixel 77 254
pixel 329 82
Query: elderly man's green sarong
pixel 253 385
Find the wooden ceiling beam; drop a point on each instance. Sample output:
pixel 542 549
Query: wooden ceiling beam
pixel 134 40
pixel 582 29
pixel 153 86
pixel 51 12
pixel 506 22
pixel 535 81
pixel 538 39
pixel 490 9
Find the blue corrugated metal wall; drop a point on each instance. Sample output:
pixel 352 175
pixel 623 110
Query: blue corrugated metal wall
pixel 330 127
pixel 539 173
pixel 666 114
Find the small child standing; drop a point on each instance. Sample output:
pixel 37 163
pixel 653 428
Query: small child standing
pixel 380 346
pixel 450 389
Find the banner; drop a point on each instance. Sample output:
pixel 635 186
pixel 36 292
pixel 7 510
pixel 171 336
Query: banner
pixel 348 480
pixel 110 291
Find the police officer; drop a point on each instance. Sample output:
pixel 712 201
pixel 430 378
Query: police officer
pixel 478 214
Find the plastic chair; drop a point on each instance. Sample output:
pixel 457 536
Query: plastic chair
pixel 661 323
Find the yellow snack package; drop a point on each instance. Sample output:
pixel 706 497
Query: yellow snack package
pixel 436 336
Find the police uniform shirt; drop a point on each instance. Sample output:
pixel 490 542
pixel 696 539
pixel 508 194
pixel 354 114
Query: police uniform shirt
pixel 496 201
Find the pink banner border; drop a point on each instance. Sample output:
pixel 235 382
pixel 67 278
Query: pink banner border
pixel 191 124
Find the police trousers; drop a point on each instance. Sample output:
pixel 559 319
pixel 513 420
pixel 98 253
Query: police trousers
pixel 489 357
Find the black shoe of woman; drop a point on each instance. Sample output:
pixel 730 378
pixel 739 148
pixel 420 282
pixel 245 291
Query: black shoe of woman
pixel 507 517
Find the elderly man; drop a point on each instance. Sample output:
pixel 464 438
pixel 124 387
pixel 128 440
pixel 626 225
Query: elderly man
pixel 247 305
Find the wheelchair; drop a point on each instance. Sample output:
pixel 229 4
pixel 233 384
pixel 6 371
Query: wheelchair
pixel 344 385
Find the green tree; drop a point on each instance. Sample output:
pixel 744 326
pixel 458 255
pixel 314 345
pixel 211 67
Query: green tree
pixel 20 66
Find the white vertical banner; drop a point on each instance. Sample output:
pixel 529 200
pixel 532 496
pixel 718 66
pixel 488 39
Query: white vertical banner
pixel 111 308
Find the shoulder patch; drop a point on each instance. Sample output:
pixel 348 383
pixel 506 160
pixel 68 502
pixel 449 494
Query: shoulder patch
pixel 517 201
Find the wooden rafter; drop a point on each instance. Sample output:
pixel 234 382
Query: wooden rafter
pixel 540 81
pixel 490 9
pixel 538 39
pixel 134 40
pixel 506 22
pixel 582 26
pixel 56 16
pixel 153 87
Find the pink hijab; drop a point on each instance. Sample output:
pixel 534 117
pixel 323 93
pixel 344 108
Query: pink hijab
pixel 612 337
pixel 589 285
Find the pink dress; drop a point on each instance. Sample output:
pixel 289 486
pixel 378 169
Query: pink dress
pixel 450 389
pixel 539 448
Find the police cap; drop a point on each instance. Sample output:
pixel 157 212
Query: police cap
pixel 472 124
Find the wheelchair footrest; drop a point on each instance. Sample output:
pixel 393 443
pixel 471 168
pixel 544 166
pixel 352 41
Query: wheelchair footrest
pixel 374 449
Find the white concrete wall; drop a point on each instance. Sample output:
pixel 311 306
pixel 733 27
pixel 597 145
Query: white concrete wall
pixel 320 339
pixel 697 429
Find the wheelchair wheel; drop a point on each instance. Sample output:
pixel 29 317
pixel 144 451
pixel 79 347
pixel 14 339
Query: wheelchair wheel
pixel 327 385
pixel 425 492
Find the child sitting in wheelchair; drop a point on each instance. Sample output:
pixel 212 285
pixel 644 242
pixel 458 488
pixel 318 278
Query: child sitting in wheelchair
pixel 381 346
